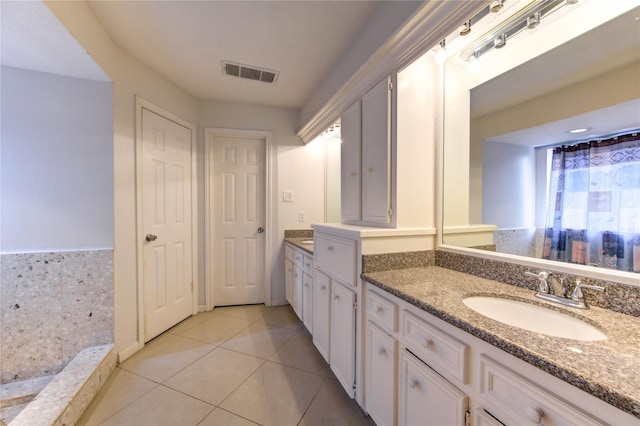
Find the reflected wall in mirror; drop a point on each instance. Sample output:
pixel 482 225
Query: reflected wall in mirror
pixel 580 68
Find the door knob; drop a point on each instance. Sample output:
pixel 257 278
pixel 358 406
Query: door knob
pixel 151 237
pixel 260 230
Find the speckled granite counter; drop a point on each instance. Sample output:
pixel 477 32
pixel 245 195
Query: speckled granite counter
pixel 299 242
pixel 608 369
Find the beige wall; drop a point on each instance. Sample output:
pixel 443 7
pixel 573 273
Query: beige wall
pixel 296 167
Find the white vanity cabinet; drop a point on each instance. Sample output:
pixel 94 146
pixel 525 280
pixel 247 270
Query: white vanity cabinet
pixel 288 272
pixel 299 281
pixel 334 305
pixel 351 163
pixel 426 398
pixel 447 376
pixel 381 357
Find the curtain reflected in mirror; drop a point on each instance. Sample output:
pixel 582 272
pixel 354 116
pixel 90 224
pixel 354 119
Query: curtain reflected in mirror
pixel 593 211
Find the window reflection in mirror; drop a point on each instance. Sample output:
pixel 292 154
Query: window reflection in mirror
pixel 503 118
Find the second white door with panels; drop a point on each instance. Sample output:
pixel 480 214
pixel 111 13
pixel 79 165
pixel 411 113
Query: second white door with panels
pixel 239 219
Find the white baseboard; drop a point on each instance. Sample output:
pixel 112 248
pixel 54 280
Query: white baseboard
pixel 202 308
pixel 128 351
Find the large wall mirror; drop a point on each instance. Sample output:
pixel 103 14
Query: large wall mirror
pixel 508 104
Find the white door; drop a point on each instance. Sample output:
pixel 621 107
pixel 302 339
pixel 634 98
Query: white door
pixel 351 164
pixel 166 223
pixel 342 348
pixel 238 225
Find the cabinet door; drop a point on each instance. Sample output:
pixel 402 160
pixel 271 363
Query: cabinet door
pixel 288 280
pixel 307 301
pixel 350 163
pixel 426 398
pixel 381 376
pixel 343 335
pixel 298 275
pixel 321 312
pixel 376 154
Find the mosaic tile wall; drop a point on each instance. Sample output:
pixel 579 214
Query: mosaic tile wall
pixel 52 305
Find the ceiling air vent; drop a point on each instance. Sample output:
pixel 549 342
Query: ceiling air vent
pixel 249 72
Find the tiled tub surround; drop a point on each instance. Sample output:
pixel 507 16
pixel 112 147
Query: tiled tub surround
pixel 609 369
pixel 53 306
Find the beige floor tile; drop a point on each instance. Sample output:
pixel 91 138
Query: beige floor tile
pixel 332 406
pixel 281 316
pixel 214 376
pixel 259 340
pixel 274 395
pixel 192 322
pixel 220 417
pixel 165 356
pixel 121 389
pixel 299 352
pixel 247 312
pixel 162 407
pixel 217 330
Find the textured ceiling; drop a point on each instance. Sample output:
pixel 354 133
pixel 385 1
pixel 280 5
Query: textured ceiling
pixel 186 41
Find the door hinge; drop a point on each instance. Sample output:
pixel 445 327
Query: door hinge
pixel 390 212
pixel 467 418
pixel 390 85
pixel 355 305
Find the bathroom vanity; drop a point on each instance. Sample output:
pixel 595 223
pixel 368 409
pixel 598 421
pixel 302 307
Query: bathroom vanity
pixel 450 363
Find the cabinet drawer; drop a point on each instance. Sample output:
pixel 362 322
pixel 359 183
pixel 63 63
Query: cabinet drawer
pixel 298 258
pixel 308 264
pixel 444 353
pixel 288 252
pixel 382 311
pixel 337 256
pixel 523 402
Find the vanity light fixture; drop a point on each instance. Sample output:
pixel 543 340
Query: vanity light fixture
pixel 465 28
pixel 581 130
pixel 500 41
pixel 496 6
pixel 527 18
pixel 533 20
pixel 441 53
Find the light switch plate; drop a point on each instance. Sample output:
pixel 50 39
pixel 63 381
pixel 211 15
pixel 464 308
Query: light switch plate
pixel 287 196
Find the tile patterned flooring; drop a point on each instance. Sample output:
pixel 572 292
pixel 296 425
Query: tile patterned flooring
pixel 242 365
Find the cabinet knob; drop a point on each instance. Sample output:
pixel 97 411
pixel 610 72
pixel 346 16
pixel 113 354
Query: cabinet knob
pixel 307 265
pixel 382 351
pixel 379 309
pixel 369 169
pixel 534 414
pixel 354 174
pixel 429 343
pixel 306 285
pixel 323 287
pixel 336 297
pixel 414 383
pixel 330 248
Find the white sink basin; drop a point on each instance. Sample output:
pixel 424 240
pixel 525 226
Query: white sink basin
pixel 533 318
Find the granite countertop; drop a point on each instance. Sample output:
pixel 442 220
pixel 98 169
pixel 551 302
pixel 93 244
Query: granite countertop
pixel 608 369
pixel 298 242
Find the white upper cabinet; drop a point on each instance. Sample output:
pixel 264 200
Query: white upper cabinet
pixel 376 154
pixel 350 159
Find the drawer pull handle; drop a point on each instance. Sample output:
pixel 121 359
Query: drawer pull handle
pixel 379 309
pixel 354 174
pixel 336 297
pixel 429 343
pixel 323 287
pixel 307 265
pixel 330 248
pixel 534 414
pixel 382 351
pixel 414 383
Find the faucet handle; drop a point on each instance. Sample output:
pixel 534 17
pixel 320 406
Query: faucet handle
pixel 543 278
pixel 577 294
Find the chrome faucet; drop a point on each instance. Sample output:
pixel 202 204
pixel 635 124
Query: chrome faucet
pixel 577 295
pixel 555 290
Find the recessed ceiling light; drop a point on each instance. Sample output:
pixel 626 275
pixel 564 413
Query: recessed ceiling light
pixel 578 130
